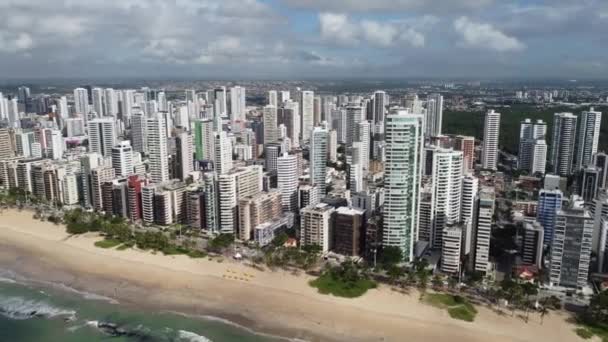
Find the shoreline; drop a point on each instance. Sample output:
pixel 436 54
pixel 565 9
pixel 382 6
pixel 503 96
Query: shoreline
pixel 276 304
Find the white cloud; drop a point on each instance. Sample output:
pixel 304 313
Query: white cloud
pixel 390 5
pixel 15 42
pixel 485 36
pixel 340 29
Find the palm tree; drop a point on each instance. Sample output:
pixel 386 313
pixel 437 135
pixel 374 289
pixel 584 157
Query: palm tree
pixel 437 282
pixel 543 312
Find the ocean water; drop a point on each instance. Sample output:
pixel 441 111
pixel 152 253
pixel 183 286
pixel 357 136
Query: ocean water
pixel 34 313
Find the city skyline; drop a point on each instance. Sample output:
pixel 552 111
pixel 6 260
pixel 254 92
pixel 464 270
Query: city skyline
pixel 286 39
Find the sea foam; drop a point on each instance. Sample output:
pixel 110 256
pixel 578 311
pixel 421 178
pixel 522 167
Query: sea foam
pixel 21 308
pixel 191 337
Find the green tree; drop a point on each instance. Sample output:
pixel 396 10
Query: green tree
pixel 390 255
pixel 437 281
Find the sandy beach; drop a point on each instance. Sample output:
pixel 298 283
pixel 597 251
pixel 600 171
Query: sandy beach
pixel 277 302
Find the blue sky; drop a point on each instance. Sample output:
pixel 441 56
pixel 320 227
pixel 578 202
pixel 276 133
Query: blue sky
pixel 295 39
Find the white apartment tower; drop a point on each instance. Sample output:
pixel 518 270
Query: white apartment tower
pixel 237 104
pixel 403 167
pixel 287 179
pixel 122 159
pixel 451 250
pixel 307 99
pixel 588 137
pixel 223 153
pixel 483 229
pixel 446 192
pixel 563 143
pixel 157 146
pixel 316 222
pixel 318 158
pixel 434 115
pixel 489 155
pixel 102 135
pixel 470 187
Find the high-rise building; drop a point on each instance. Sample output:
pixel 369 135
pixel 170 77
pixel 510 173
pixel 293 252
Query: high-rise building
pixel 223 153
pixel 316 226
pixel 204 139
pixel 122 159
pixel 237 104
pixel 184 155
pixel 233 185
pixel 332 146
pixel 451 249
pixel 489 154
pixel 549 203
pixel 404 144
pixel 354 115
pixel 483 229
pixel 138 131
pixel 588 138
pixel 532 244
pixel 98 102
pixel 571 247
pixel 54 144
pixel 466 144
pixel 600 160
pixel 271 154
pixel 599 211
pixel 380 104
pixel 273 98
pixel 287 180
pixel 157 146
pixel 530 135
pixel 81 102
pixel 102 135
pixel 271 134
pixel 539 157
pixel 307 99
pixel 308 195
pixel 111 103
pixel 588 183
pixel 318 158
pixel 348 231
pixel 99 176
pixel 470 187
pixel 563 143
pixel 256 210
pixel 434 115
pixel 446 189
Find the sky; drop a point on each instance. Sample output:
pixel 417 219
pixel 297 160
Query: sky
pixel 304 39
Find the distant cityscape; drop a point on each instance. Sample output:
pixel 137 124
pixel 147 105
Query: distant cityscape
pixel 338 165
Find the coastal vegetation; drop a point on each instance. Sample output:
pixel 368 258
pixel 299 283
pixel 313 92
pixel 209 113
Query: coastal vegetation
pixel 594 320
pixel 346 280
pixel 471 123
pixel 457 306
pixel 118 232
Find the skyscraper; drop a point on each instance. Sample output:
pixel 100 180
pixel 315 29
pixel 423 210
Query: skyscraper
pixel 466 144
pixel 223 153
pixel 157 146
pixel 489 155
pixel 451 249
pixel 404 144
pixel 470 187
pixel 98 102
pixel 271 134
pixel 318 158
pixel 354 115
pixel 184 155
pixel 380 104
pixel 307 99
pixel 434 115
pixel 287 180
pixel 446 192
pixel 531 145
pixel 571 247
pixel 588 137
pixel 315 224
pixel 549 203
pixel 102 135
pixel 237 104
pixel 563 143
pixel 81 102
pixel 273 98
pixel 204 139
pixel 483 229
pixel 122 159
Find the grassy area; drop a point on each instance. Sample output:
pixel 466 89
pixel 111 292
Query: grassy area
pixel 327 284
pixel 196 254
pixel 124 246
pixel 584 333
pixel 457 306
pixel 588 331
pixel 107 243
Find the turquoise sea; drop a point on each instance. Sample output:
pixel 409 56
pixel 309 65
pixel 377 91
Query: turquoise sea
pixel 35 313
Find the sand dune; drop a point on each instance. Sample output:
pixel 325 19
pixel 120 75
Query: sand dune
pixel 271 302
